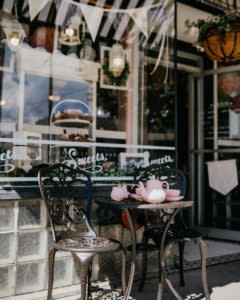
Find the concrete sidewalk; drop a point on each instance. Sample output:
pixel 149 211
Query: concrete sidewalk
pixel 223 279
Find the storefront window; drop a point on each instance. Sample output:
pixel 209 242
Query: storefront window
pixel 229 106
pixel 9 92
pixel 111 110
pixel 66 96
pixel 221 141
pixel 42 94
pixel 158 110
pixel 63 100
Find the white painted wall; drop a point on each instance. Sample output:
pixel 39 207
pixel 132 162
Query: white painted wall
pixel 185 12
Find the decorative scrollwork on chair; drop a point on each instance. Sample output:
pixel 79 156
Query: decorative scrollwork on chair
pixel 178 232
pixel 67 193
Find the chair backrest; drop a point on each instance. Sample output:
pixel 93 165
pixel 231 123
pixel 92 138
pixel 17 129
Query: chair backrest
pixel 176 180
pixel 67 194
pixel 174 177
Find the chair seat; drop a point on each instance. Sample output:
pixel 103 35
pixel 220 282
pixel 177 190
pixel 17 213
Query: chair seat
pixel 192 234
pixel 88 244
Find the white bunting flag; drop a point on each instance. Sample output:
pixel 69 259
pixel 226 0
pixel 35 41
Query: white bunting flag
pixel 93 16
pixel 140 17
pixel 222 175
pixel 35 6
pixel 62 11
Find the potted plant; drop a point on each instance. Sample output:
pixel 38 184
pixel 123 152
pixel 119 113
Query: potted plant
pixel 218 36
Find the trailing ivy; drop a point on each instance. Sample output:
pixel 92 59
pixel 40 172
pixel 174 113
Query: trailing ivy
pixel 120 80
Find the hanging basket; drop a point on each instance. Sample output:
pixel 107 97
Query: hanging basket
pixel 223 46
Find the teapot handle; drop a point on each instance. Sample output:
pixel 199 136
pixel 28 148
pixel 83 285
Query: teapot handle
pixel 165 186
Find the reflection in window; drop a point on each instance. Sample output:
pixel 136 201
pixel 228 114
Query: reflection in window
pixel 37 106
pixel 9 96
pixel 158 108
pixel 229 105
pixel 111 109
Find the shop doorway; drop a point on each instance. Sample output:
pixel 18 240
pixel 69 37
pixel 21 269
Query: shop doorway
pixel 214 134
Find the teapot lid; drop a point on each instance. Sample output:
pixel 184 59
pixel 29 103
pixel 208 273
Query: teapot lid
pixel 154 180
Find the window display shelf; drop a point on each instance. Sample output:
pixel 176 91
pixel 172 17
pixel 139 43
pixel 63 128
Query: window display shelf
pixel 229 143
pixel 111 134
pixel 57 130
pixel 169 136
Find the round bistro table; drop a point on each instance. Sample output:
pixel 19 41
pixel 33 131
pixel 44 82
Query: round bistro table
pixel 129 204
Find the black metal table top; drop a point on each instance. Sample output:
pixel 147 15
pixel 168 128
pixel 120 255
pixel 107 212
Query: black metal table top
pixel 131 203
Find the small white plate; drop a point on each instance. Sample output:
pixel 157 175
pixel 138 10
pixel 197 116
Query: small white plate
pixel 178 198
pixel 72 123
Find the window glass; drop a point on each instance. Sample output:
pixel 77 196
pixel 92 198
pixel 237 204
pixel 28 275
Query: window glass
pixel 111 109
pixel 64 99
pixel 38 92
pixel 158 106
pixel 9 83
pixel 229 106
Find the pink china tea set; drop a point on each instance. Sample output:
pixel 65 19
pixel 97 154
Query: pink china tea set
pixel 155 191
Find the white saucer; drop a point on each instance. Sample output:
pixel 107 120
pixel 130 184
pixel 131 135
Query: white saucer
pixel 79 123
pixel 174 198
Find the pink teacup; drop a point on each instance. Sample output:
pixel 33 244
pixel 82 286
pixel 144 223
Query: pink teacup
pixel 173 193
pixel 119 193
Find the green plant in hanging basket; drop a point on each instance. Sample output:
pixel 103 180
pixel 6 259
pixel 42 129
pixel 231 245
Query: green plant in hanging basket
pixel 120 80
pixel 218 36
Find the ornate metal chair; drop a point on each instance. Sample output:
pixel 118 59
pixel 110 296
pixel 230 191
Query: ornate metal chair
pixel 67 193
pixel 179 233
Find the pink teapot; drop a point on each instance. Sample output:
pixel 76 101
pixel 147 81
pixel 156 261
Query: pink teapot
pixel 155 190
pixel 119 192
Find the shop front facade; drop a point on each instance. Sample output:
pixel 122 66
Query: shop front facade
pixel 61 104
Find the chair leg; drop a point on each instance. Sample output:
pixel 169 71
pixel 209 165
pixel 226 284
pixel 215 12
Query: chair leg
pixel 124 263
pixel 51 259
pixel 203 251
pixel 144 265
pixel 89 278
pixel 160 288
pixel 181 272
pixel 159 266
pixel 83 261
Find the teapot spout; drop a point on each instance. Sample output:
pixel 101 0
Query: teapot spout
pixel 141 185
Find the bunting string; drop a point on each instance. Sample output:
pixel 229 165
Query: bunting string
pixel 117 10
pixel 93 16
pixel 36 6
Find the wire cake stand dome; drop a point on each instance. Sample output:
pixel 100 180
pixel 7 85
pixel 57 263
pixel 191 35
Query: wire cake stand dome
pixel 71 113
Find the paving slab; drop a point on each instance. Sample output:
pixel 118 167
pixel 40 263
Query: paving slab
pixel 223 279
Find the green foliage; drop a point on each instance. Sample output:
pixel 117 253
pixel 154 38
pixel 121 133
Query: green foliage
pixel 222 24
pixel 117 172
pixel 223 97
pixel 117 80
